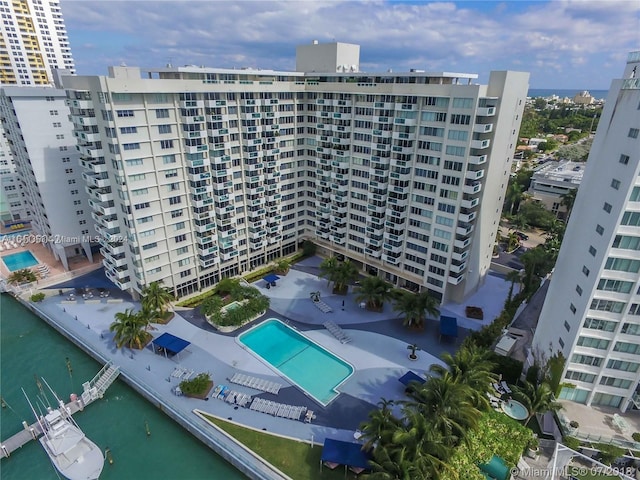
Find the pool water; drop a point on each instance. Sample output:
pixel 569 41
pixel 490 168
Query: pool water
pixel 314 369
pixel 515 410
pixel 20 260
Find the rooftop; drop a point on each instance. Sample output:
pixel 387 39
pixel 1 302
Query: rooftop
pixel 564 171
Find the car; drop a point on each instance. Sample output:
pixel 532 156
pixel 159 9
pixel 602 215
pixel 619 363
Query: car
pixel 522 236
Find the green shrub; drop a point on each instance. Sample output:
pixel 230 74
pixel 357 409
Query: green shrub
pixel 636 436
pixel 508 367
pixel 533 375
pixel 571 442
pixel 609 453
pixel 37 297
pixel 309 248
pixel 197 386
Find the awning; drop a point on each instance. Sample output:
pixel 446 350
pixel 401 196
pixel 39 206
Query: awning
pixel 272 277
pixel 496 469
pixel 448 326
pixel 170 343
pixel 411 377
pixel 344 453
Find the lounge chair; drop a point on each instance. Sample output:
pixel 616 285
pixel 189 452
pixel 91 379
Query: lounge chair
pixel 498 388
pixel 505 387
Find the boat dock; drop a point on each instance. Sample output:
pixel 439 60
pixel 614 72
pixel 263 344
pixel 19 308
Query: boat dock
pixel 92 391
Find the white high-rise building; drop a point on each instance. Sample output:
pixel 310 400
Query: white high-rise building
pixel 43 145
pixel 208 173
pixel 592 311
pixel 33 45
pixel 33 42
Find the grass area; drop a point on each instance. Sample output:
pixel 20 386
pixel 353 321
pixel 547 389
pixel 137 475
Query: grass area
pixel 165 318
pixel 297 459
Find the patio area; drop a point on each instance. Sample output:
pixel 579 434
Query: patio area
pixel 601 424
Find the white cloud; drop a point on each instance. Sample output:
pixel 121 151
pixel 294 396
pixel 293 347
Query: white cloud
pixel 591 38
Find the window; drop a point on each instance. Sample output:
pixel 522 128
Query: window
pixel 166 144
pixel 561 342
pixel 171 173
pixel 592 251
pixel 607 207
pixel 131 146
pixel 587 360
pixel 622 365
pixel 635 195
pixel 624 159
pixel 591 342
pixel 180 238
pixel 572 307
pixel 175 200
pixel 607 305
pixel 626 242
pixel 598 324
pixel 137 177
pixel 631 218
pixel 162 113
pixel 460 135
pixel 128 130
pixel 599 229
pixel 133 162
pixel 567 327
pixel 631 328
pixel 579 290
pixel 624 347
pixel 166 159
pixel 124 113
pixel 176 213
pixel 615 382
pixel 462 102
pixel 633 133
pixel 164 128
pixel 585 270
pixel 615 184
pixel 622 264
pixel 580 376
pixel 610 285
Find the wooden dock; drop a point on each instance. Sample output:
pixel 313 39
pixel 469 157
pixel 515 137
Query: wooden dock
pixel 92 390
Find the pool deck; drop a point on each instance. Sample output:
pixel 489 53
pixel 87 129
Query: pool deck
pixel 378 352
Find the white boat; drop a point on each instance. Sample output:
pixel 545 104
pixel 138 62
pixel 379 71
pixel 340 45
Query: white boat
pixel 71 452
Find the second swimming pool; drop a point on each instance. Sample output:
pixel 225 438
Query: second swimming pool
pixel 314 369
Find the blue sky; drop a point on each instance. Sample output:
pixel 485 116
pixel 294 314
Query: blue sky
pixel 578 44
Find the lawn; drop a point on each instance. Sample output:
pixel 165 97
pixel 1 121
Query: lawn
pixel 296 459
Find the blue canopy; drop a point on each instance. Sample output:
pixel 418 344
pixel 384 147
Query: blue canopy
pixel 411 377
pixel 272 277
pixel 496 469
pixel 344 453
pixel 448 326
pixel 170 343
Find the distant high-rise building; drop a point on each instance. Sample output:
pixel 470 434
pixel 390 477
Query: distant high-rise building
pixel 196 174
pixel 33 45
pixel 592 311
pixel 47 163
pixel 33 42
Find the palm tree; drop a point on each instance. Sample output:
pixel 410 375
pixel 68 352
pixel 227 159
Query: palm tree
pixel 380 426
pixel 393 464
pixel 514 276
pixel 446 402
pixel 513 198
pixel 537 399
pixel 156 298
pixel 374 291
pixel 22 276
pixel 129 328
pixel 415 306
pixel 328 269
pixel 567 200
pixel 346 273
pixel 211 305
pixel 413 347
pixel 470 366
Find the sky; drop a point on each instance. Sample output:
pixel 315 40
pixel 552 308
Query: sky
pixel 572 44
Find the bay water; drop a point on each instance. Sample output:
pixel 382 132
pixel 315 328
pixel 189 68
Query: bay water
pixel 120 421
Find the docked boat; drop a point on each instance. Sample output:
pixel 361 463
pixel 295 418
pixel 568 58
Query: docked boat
pixel 71 452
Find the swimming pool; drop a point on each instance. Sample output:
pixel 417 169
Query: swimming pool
pixel 515 410
pixel 314 369
pixel 20 260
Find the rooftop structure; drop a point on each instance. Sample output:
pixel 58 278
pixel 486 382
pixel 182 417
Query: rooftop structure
pixel 551 180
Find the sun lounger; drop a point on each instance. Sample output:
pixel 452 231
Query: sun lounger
pixel 505 387
pixel 498 388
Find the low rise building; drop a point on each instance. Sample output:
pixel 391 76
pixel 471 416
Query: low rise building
pixel 552 180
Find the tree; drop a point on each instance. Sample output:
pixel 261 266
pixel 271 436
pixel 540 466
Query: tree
pixel 129 329
pixel 413 347
pixel 156 298
pixel 537 399
pixel 22 276
pixel 346 273
pixel 513 197
pixel 380 426
pixel 567 200
pixel 328 269
pixel 470 366
pixel 211 305
pixel 374 291
pixel 415 307
pixel 447 403
pixel 514 276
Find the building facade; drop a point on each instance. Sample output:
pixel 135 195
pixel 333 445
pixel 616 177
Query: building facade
pixel 42 143
pixel 33 42
pixel 552 180
pixel 208 173
pixel 592 311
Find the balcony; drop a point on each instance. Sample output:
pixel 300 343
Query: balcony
pixel 222 210
pixel 192 104
pixel 477 159
pixel 480 144
pixel 81 104
pixel 84 120
pixel 483 128
pixel 467 217
pixel 459 256
pixel 391 260
pixel 457 268
pixel 210 262
pixel 472 189
pixel 322 234
pixel 100 194
pixel 376 208
pixel 474 174
pixel 197 177
pixel 400 202
pixel 95 166
pixel 192 120
pixel 196 148
pixel 100 181
pixel 461 244
pixel 373 253
pixel 469 203
pixel 202 203
pixel 228 256
pixel 456 280
pixel 486 111
pixel 90 151
pixel 87 136
pixel 338 239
